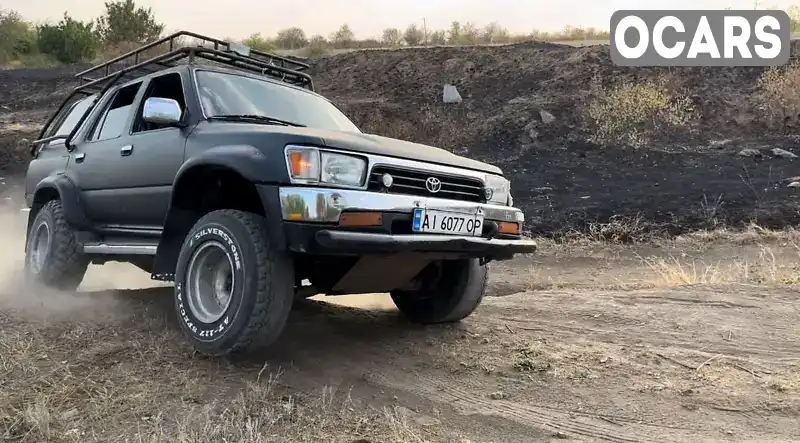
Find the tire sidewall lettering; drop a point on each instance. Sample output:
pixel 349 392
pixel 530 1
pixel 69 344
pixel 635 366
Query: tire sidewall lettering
pixel 220 234
pixel 206 332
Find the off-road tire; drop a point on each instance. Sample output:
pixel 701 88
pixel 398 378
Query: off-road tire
pixel 64 264
pixel 456 293
pixel 263 285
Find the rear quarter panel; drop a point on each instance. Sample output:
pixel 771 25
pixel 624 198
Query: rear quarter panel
pixel 51 160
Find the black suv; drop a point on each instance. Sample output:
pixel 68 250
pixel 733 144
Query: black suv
pixel 219 168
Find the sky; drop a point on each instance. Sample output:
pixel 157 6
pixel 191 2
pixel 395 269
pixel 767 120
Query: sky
pixel 367 18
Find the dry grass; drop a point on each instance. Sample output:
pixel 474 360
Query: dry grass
pixel 618 230
pixel 635 230
pixel 778 99
pixel 626 255
pixel 751 234
pixel 630 114
pixel 766 269
pixel 258 414
pixel 570 362
pixel 91 382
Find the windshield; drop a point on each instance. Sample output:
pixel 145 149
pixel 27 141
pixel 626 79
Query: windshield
pixel 230 94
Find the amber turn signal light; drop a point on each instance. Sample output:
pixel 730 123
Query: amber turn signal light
pixel 300 163
pixel 361 219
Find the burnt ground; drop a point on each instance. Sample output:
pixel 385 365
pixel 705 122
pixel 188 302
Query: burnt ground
pixel 682 180
pixel 28 97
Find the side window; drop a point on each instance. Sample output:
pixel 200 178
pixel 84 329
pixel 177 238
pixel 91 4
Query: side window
pixel 165 86
pixel 116 115
pixel 70 115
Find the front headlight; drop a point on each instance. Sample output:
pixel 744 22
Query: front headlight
pixel 312 166
pixel 499 190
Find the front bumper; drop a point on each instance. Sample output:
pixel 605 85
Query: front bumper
pixel 311 216
pixel 367 242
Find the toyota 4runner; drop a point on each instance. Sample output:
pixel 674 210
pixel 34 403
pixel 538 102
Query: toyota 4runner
pixel 217 167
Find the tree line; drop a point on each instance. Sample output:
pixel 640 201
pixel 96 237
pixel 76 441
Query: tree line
pixel 414 35
pixel 123 25
pixel 71 40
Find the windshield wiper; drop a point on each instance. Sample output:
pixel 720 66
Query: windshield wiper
pixel 255 118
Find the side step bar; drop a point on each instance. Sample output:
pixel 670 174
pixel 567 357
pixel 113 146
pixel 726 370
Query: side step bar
pixel 119 249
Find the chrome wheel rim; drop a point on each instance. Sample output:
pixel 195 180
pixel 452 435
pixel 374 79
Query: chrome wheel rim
pixel 210 282
pixel 40 246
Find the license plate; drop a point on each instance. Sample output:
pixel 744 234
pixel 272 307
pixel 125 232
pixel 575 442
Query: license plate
pixel 433 221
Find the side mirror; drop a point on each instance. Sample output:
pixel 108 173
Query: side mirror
pixel 161 111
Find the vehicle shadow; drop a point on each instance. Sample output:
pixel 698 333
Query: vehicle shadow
pixel 316 333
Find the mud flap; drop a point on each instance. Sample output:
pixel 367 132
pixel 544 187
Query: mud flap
pixel 178 223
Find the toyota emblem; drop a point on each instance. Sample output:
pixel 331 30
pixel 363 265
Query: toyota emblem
pixel 433 184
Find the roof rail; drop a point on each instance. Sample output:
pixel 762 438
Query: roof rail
pixel 135 64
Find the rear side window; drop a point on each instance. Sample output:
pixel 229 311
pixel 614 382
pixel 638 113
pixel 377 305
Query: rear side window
pixel 115 118
pixel 65 123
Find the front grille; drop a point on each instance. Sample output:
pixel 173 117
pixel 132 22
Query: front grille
pixel 412 182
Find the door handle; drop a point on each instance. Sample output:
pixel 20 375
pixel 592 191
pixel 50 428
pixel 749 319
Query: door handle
pixel 79 157
pixel 126 150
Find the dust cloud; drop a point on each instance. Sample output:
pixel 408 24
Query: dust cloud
pixel 95 297
pixel 96 294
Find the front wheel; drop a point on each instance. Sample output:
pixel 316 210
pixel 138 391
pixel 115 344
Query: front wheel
pixel 233 289
pixel 451 290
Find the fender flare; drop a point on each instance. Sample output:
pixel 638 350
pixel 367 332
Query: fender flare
pixel 245 160
pixel 68 194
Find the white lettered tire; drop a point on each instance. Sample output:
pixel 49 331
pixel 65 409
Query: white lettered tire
pixel 233 290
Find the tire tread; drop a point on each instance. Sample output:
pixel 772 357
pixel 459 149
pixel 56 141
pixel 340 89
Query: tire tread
pixel 262 329
pixel 468 304
pixel 69 264
pixel 467 293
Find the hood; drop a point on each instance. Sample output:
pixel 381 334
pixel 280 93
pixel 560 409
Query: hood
pixel 391 147
pixel 346 141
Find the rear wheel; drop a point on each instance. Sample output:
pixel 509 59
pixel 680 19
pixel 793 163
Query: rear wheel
pixel 53 257
pixel 233 289
pixel 451 291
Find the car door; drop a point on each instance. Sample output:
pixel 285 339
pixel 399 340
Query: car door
pixel 129 183
pixel 152 156
pixel 95 164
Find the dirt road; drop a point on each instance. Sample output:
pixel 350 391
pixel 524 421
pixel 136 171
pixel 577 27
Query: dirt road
pixel 710 363
pixel 646 365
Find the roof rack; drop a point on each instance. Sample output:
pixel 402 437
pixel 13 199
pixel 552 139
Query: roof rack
pixel 131 65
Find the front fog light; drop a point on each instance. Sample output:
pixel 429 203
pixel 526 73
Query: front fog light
pixel 498 189
pixel 342 169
